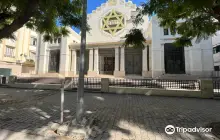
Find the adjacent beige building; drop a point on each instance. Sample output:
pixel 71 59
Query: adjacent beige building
pixel 17 57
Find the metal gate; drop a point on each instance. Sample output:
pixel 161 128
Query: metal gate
pixel 174 59
pixel 54 61
pixel 109 65
pixel 216 83
pixel 90 84
pixel 133 61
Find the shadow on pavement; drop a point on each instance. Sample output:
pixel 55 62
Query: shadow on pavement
pixel 118 117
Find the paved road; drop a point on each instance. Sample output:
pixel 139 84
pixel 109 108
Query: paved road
pixel 120 117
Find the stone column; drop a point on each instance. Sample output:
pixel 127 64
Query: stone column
pixel 145 71
pixel 119 56
pixel 116 59
pixel 47 61
pixel 42 58
pixel 122 60
pixel 64 57
pixel 144 62
pixel 144 59
pixel 162 61
pixel 96 60
pixel 73 65
pixel 91 61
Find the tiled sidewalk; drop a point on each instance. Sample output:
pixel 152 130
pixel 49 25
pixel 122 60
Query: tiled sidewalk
pixel 119 117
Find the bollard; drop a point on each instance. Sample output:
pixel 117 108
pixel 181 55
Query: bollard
pixel 62 101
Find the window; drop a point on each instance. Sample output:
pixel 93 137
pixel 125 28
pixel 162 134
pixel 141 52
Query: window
pixel 216 49
pixel 165 31
pixel 216 68
pixel 55 40
pixel 10 52
pixel 33 41
pixel 59 40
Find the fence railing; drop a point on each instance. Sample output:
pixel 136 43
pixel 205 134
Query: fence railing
pixel 216 74
pixel 157 83
pixel 95 83
pixel 89 83
pixel 216 86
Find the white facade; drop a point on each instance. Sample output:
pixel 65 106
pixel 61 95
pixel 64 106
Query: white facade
pixel 61 45
pixel 216 50
pixel 106 54
pixel 198 58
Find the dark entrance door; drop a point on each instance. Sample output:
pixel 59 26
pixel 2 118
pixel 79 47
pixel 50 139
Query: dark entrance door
pixel 54 61
pixel 174 59
pixel 133 61
pixel 109 65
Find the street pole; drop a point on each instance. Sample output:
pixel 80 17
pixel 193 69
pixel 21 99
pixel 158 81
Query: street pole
pixel 62 101
pixel 80 91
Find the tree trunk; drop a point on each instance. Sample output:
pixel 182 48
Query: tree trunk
pixel 80 92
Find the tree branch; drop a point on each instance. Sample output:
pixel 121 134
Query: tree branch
pixel 216 11
pixel 20 20
pixel 4 16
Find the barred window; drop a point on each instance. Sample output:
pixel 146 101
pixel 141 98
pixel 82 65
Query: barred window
pixel 9 52
pixel 33 41
pixel 59 40
pixel 216 49
pixel 165 31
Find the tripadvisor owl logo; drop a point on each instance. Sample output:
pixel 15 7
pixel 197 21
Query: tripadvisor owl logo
pixel 170 129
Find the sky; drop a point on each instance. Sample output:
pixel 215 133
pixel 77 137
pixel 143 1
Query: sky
pixel 92 4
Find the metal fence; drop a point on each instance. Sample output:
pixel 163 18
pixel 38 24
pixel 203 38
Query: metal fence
pixel 216 82
pixel 89 83
pixel 216 74
pixel 157 83
pixel 216 86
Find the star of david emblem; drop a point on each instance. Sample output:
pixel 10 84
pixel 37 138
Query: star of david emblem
pixel 112 2
pixel 113 22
